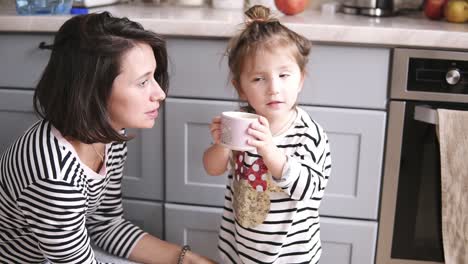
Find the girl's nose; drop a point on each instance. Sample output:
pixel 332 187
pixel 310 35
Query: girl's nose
pixel 274 86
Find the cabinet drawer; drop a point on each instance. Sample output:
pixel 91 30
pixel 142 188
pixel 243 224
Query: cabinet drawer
pixel 22 60
pixel 356 142
pixel 195 226
pixel 343 241
pixel 147 215
pixel 356 139
pixel 16 115
pixel 347 241
pixel 189 79
pixel 347 77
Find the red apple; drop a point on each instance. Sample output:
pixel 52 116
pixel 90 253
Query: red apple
pixel 291 7
pixel 434 9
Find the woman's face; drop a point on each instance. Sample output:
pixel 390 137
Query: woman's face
pixel 135 97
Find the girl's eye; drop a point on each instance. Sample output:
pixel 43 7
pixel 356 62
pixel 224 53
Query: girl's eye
pixel 257 79
pixel 284 75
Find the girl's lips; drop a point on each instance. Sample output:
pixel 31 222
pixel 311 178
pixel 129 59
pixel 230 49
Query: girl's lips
pixel 274 103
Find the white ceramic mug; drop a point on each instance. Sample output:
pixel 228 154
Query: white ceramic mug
pixel 234 127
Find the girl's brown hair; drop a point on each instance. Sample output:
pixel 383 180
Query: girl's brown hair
pixel 262 31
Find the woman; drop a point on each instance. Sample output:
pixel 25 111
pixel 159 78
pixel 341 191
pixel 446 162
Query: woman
pixel 60 183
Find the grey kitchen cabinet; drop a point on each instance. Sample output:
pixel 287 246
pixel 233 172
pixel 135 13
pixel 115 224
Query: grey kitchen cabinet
pixel 347 241
pixel 22 62
pixel 144 169
pixel 356 143
pixel 189 79
pixel 148 215
pixel 356 139
pixel 341 76
pixel 344 76
pixel 344 241
pixel 16 115
pixel 345 91
pixel 187 127
pixel 196 226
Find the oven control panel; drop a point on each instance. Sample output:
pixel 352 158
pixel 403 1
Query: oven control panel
pixel 437 75
pixel 429 75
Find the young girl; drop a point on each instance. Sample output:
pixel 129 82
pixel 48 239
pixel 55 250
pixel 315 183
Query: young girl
pixel 273 194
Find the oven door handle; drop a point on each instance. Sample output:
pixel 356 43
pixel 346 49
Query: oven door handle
pixel 426 114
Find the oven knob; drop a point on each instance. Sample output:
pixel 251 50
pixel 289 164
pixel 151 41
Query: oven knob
pixel 453 76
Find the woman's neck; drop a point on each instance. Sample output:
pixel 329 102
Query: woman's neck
pixel 92 155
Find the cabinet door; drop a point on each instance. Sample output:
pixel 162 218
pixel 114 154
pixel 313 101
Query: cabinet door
pixel 146 215
pixel 188 79
pixel 347 77
pixel 144 167
pixel 195 226
pixel 22 60
pixel 187 137
pixel 347 241
pixel 16 115
pixel 356 140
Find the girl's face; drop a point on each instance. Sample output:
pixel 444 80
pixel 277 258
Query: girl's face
pixel 135 97
pixel 270 81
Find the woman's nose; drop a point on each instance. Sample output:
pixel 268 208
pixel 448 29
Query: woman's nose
pixel 157 94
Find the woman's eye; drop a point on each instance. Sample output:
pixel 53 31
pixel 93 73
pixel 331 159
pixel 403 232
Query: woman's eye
pixel 284 75
pixel 257 79
pixel 143 84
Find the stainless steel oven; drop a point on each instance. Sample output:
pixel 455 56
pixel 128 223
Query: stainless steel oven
pixel 410 213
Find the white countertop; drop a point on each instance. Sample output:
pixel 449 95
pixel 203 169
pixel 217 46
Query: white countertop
pixel 405 30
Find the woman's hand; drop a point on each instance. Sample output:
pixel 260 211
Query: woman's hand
pixel 193 258
pixel 215 129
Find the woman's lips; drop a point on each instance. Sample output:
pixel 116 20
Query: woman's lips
pixel 153 113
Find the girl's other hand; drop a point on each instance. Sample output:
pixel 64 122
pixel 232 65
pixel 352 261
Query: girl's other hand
pixel 263 139
pixel 215 129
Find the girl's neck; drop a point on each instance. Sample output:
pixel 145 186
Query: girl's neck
pixel 278 126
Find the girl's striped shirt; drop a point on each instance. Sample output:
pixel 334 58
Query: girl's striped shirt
pixel 52 204
pixel 290 233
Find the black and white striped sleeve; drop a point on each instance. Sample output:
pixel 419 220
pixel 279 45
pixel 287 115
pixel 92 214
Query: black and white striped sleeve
pixel 306 172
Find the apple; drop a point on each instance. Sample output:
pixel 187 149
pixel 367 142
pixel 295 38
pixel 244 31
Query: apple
pixel 291 7
pixel 456 11
pixel 434 9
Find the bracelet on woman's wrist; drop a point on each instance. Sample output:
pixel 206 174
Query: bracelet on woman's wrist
pixel 184 250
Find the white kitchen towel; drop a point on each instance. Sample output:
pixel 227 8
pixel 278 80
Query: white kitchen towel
pixel 453 139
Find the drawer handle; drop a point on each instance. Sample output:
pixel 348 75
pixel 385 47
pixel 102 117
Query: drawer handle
pixel 43 45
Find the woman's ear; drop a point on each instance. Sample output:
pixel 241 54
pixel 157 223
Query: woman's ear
pixel 238 89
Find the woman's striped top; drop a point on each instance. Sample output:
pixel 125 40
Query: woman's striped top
pixel 52 204
pixel 290 233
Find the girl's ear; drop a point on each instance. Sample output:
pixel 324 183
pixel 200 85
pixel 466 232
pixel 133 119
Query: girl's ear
pixel 301 84
pixel 238 89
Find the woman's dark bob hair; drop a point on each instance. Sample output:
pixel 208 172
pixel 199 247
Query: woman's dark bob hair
pixel 74 89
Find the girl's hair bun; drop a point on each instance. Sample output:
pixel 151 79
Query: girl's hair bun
pixel 258 13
